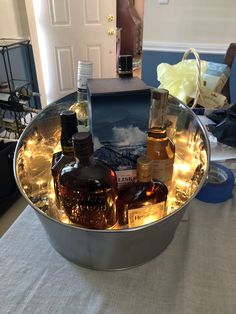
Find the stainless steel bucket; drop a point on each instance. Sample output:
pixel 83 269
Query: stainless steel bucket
pixel 109 249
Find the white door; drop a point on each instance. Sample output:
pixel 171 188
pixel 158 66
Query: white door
pixel 65 31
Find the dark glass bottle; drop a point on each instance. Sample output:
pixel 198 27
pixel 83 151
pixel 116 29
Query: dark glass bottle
pixel 143 201
pixel 125 69
pixel 66 155
pixel 160 147
pixel 88 187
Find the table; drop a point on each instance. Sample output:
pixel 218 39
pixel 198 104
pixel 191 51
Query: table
pixel 195 274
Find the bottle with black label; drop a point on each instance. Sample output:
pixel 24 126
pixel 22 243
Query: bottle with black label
pixel 88 187
pixel 144 201
pixel 66 155
pixel 125 66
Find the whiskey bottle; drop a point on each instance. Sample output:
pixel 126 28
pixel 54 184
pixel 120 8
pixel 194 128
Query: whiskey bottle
pixel 144 201
pixel 66 155
pixel 160 148
pixel 88 187
pixel 125 69
pixel 85 72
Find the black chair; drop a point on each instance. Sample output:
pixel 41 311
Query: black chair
pixel 229 59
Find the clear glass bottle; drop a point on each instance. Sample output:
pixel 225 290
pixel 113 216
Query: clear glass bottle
pixel 88 187
pixel 144 201
pixel 66 155
pixel 160 148
pixel 85 72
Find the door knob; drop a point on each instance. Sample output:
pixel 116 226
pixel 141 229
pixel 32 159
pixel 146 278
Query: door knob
pixel 111 32
pixel 110 17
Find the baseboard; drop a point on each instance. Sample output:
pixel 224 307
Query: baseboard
pixel 181 47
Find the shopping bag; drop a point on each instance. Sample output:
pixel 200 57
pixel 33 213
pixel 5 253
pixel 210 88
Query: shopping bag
pixel 195 81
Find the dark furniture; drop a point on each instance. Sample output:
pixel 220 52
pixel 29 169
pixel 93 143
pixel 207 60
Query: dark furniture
pixel 131 28
pixel 17 86
pixel 229 60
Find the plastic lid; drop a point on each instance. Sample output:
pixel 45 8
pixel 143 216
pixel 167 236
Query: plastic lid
pixel 68 117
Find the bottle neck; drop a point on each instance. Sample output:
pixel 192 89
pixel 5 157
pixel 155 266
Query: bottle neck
pixel 66 137
pixel 157 132
pixel 84 160
pixel 67 150
pixel 143 179
pixel 83 147
pixel 157 117
pixel 144 169
pixel 82 94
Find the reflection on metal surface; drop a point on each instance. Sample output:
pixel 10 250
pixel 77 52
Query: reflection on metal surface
pixel 42 139
pixel 109 249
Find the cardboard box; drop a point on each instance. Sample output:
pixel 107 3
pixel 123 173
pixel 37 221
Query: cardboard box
pixel 119 113
pixel 214 79
pixel 216 76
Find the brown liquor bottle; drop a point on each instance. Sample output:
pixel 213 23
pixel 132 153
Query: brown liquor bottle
pixel 66 155
pixel 160 148
pixel 88 187
pixel 143 201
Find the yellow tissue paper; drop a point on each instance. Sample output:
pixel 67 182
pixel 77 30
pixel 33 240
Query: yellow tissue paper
pixel 180 79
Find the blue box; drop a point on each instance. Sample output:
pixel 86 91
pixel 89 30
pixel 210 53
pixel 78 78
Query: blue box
pixel 119 113
pixel 117 103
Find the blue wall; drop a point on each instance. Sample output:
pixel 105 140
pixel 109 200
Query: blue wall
pixel 151 59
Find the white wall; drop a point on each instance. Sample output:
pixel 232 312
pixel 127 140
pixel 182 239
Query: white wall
pixel 200 22
pixel 139 6
pixel 13 20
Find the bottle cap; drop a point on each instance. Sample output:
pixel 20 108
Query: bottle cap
pixel 84 72
pixel 126 64
pixel 83 144
pixel 85 67
pixel 68 117
pixel 144 169
pixel 160 94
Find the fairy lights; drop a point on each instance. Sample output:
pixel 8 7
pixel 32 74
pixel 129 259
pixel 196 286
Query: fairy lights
pixel 34 171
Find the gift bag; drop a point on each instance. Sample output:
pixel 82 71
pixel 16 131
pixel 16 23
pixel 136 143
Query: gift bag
pixel 194 81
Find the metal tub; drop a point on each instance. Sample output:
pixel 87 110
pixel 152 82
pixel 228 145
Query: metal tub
pixel 109 249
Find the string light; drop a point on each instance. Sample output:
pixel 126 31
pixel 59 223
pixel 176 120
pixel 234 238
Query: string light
pixel 34 171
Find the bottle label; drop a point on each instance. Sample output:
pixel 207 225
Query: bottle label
pixel 125 176
pixel 82 83
pixel 162 169
pixel 146 214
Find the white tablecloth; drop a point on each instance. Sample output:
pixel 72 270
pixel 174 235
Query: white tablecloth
pixel 195 274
